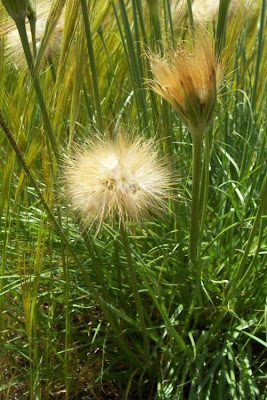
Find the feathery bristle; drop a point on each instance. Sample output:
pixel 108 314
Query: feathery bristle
pixel 124 178
pixel 188 79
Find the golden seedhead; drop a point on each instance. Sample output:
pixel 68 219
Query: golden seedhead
pixel 189 79
pixel 124 177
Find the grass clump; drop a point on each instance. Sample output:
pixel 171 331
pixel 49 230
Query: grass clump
pixel 166 307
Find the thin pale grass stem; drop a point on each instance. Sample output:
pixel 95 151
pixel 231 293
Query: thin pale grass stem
pixel 133 281
pixel 36 83
pixel 90 48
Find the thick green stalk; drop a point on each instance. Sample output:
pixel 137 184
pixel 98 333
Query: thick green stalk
pixel 20 23
pixel 205 184
pixel 92 63
pixel 133 281
pixel 201 186
pixel 195 214
pixel 195 209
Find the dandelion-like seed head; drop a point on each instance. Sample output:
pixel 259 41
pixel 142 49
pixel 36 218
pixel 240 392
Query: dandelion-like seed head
pixel 189 79
pixel 123 178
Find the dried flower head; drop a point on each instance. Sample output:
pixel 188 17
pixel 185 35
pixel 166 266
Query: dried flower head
pixel 123 177
pixel 188 79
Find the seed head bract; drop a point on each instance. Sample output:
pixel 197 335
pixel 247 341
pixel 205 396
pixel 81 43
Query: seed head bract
pixel 188 79
pixel 124 178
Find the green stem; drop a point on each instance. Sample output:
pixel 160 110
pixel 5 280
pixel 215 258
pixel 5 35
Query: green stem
pixel 190 14
pixel 36 83
pixel 195 214
pixel 221 26
pixel 205 184
pixel 118 264
pixel 155 19
pixel 96 267
pixel 92 63
pixel 196 180
pixel 32 21
pixel 133 281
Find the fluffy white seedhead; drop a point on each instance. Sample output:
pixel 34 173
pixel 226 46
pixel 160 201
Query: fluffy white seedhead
pixel 124 178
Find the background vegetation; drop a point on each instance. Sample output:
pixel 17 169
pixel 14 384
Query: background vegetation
pixel 69 327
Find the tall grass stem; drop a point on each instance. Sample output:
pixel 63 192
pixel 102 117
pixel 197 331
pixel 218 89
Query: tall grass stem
pixel 36 83
pixel 190 14
pixel 90 47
